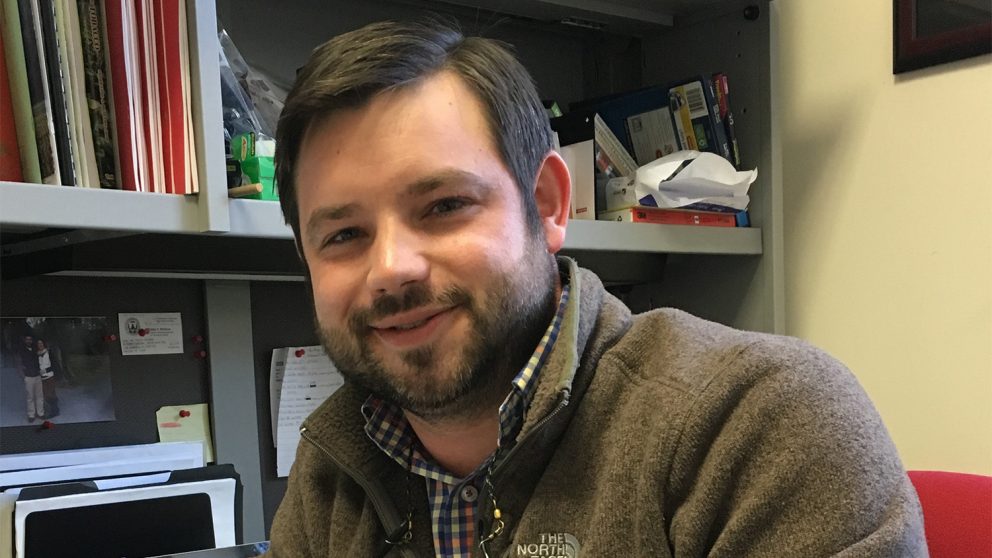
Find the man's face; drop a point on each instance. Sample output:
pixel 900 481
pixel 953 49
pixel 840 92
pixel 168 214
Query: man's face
pixel 29 342
pixel 428 287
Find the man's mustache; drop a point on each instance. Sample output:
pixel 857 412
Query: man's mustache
pixel 415 296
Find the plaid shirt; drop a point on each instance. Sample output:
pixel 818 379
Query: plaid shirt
pixel 454 501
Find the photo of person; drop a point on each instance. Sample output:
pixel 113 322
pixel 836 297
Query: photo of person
pixel 54 369
pixel 47 366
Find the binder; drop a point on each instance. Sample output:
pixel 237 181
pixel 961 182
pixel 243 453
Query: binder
pixel 194 509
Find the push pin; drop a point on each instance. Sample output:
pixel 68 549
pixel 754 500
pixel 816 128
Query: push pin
pixel 143 332
pixel 201 354
pixel 300 353
pixel 110 338
pixel 184 413
pixel 197 339
pixel 47 425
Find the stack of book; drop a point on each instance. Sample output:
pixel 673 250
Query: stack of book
pixel 604 140
pixel 99 93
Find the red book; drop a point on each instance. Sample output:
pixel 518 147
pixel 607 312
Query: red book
pixel 117 48
pixel 661 216
pixel 170 86
pixel 10 155
pixel 148 95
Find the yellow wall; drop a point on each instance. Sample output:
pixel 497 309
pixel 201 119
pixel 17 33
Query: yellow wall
pixel 888 243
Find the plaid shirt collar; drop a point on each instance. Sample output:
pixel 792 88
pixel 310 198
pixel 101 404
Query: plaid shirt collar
pixel 453 500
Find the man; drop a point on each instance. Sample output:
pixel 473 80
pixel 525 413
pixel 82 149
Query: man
pixel 31 371
pixel 498 401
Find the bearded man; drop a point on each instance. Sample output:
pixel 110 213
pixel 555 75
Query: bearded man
pixel 498 401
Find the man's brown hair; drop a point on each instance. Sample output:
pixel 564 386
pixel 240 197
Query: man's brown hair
pixel 350 69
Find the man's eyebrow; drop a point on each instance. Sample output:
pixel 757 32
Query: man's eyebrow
pixel 330 213
pixel 446 177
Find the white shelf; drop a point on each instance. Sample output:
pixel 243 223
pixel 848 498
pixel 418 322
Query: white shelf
pixel 668 239
pixel 37 205
pixel 258 218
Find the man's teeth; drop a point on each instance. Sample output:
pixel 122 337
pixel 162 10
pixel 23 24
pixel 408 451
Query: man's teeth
pixel 411 326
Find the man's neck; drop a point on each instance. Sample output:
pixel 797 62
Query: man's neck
pixel 458 446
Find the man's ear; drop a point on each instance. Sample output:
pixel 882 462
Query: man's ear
pixel 553 194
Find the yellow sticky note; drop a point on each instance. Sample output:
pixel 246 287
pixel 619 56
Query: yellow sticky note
pixel 186 423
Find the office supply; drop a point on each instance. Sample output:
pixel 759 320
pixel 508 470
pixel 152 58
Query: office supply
pixel 669 217
pixel 697 117
pixel 37 81
pixel 53 459
pixel 74 77
pixel 20 96
pixel 186 423
pixel 10 155
pixel 98 93
pixel 195 509
pixel 685 178
pixel 151 333
pixel 309 378
pixel 102 469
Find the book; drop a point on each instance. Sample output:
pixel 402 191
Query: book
pixel 193 176
pixel 98 91
pixel 37 81
pixel 661 216
pixel 74 77
pixel 149 95
pixel 10 155
pixel 697 118
pixel 57 93
pixel 172 95
pixel 722 86
pixel 20 97
pixel 652 134
pixel 615 110
pixel 124 88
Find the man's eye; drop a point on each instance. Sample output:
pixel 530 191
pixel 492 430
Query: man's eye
pixel 447 205
pixel 343 236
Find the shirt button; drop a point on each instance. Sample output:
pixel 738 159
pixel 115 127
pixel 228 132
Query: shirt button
pixel 470 493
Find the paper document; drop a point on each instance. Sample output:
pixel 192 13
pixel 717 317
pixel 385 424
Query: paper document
pixel 309 378
pixel 186 423
pixel 151 333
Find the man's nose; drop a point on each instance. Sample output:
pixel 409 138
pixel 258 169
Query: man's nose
pixel 398 258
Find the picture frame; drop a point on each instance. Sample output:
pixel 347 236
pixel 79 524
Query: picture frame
pixel 931 32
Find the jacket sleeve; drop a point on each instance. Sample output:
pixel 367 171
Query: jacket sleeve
pixel 289 536
pixel 783 454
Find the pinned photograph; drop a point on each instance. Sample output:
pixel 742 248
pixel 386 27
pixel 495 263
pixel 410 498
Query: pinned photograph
pixel 54 369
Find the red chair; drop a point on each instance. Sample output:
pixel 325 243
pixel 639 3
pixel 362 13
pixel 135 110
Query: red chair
pixel 957 513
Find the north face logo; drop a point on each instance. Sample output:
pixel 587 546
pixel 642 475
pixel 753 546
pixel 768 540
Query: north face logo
pixel 551 545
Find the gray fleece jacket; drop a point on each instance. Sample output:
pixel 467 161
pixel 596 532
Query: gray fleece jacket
pixel 659 434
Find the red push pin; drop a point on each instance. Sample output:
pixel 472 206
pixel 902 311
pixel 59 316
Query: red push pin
pixel 184 413
pixel 110 338
pixel 196 339
pixel 201 354
pixel 47 425
pixel 300 353
pixel 142 332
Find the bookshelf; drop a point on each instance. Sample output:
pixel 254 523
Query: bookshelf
pixel 232 247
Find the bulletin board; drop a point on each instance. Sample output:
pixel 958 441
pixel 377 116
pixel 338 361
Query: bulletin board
pixel 281 316
pixel 141 384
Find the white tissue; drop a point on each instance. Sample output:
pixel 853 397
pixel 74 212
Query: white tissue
pixel 707 178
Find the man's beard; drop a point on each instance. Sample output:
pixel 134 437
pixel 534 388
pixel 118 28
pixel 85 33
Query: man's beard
pixel 504 332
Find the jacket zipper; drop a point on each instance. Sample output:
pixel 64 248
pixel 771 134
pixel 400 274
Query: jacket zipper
pixel 382 507
pixel 485 495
